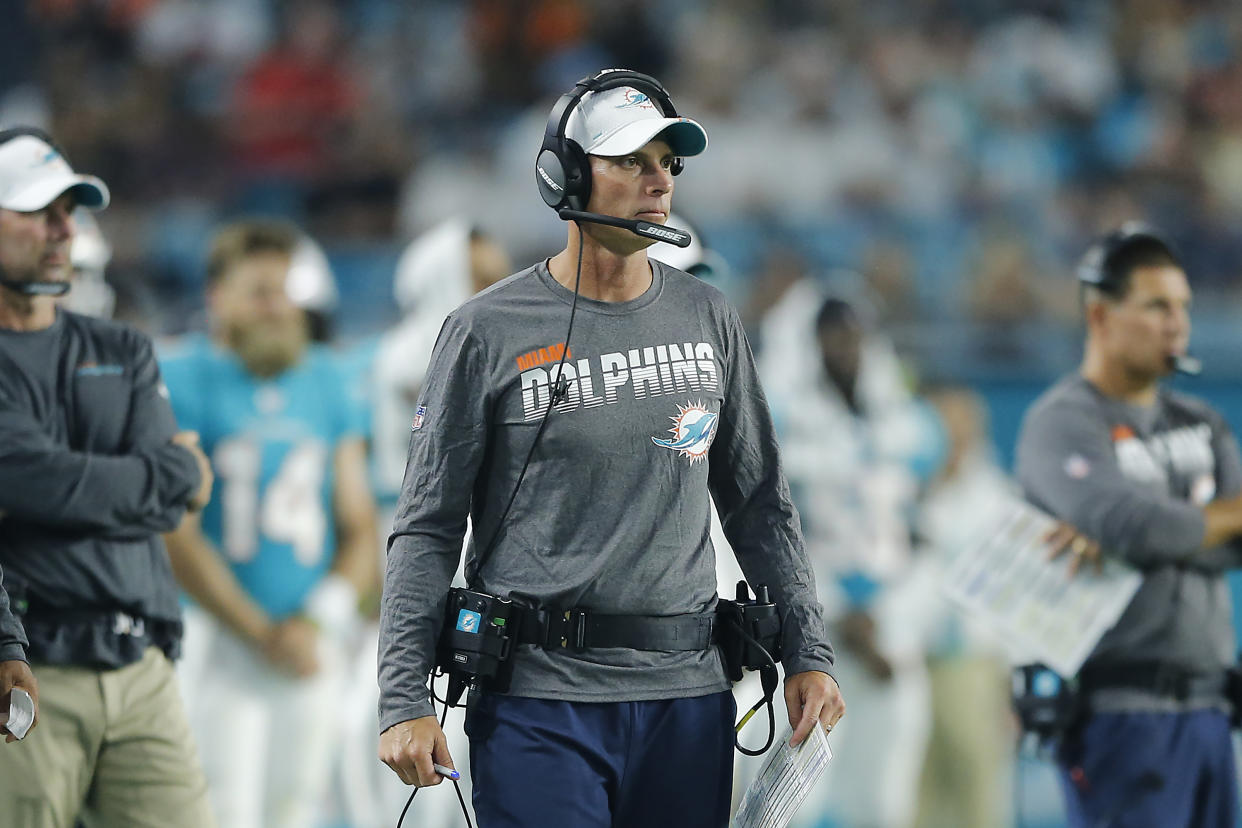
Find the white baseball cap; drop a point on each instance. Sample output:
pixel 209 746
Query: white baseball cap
pixel 33 175
pixel 620 120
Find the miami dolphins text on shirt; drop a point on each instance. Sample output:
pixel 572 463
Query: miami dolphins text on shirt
pixel 1185 451
pixel 650 371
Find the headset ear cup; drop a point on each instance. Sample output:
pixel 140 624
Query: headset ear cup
pixel 551 179
pixel 578 176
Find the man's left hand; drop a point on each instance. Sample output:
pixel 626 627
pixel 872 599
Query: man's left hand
pixel 16 674
pixel 812 698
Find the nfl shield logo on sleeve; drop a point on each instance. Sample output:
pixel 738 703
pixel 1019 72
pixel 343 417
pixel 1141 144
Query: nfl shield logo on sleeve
pixel 418 418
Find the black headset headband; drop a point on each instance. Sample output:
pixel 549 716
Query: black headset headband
pixel 9 134
pixel 558 119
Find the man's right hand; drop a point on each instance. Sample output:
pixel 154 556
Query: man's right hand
pixel 188 440
pixel 411 748
pixel 16 674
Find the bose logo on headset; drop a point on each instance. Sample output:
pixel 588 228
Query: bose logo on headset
pixel 548 179
pixel 670 235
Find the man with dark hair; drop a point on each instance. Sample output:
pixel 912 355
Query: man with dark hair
pixel 1152 477
pixel 92 469
pixel 856 447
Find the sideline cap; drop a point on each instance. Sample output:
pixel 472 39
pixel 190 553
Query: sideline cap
pixel 621 120
pixel 33 174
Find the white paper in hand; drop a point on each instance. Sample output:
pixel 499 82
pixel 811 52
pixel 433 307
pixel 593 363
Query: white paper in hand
pixel 784 781
pixel 1005 577
pixel 21 713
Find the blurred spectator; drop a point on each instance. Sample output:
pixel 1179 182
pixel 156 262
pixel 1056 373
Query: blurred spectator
pixel 437 272
pixel 280 562
pixel 969 766
pixel 856 446
pixel 312 287
pixel 293 105
pixel 93 469
pixel 907 126
pixel 89 255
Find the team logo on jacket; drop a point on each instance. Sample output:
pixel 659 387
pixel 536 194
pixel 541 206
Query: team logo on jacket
pixel 693 430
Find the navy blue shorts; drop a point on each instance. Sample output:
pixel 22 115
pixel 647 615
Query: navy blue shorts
pixel 1150 770
pixel 556 764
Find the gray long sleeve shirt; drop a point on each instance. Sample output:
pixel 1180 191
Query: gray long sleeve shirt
pixel 12 637
pixel 613 515
pixel 1136 479
pixel 88 480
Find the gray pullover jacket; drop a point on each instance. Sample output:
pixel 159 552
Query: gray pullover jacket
pixel 88 481
pixel 1136 479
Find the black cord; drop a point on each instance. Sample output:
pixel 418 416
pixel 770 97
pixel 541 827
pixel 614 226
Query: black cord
pixel 770 679
pixel 465 812
pixel 436 673
pixel 552 399
pixel 461 800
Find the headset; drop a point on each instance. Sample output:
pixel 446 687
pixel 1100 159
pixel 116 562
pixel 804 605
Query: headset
pixel 1099 269
pixel 32 288
pixel 9 134
pixel 563 171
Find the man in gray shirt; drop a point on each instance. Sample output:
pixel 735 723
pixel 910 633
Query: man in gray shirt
pixel 660 406
pixel 92 469
pixel 1151 477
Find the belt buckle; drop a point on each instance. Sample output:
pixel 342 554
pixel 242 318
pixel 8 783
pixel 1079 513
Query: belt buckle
pixel 573 633
pixel 549 627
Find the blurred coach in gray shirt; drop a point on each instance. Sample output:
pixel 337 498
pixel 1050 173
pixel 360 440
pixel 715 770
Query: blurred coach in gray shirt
pixel 1150 477
pixel 92 470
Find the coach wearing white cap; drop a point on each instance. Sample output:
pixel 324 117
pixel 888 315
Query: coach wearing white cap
pixel 585 454
pixel 92 470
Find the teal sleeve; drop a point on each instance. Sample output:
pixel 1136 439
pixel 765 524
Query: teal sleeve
pixel 182 379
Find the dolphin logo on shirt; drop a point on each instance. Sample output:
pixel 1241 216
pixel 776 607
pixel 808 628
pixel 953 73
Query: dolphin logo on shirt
pixel 693 430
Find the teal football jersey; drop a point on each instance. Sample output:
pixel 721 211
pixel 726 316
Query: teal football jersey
pixel 271 444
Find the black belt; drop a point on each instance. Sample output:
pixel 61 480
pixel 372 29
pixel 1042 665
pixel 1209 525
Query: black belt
pixel 577 629
pixel 1158 679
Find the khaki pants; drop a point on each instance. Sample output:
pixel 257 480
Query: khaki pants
pixel 112 748
pixel 969 766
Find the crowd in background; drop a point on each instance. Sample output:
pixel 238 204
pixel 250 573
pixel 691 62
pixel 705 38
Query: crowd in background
pixel 958 153
pixel 940 166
